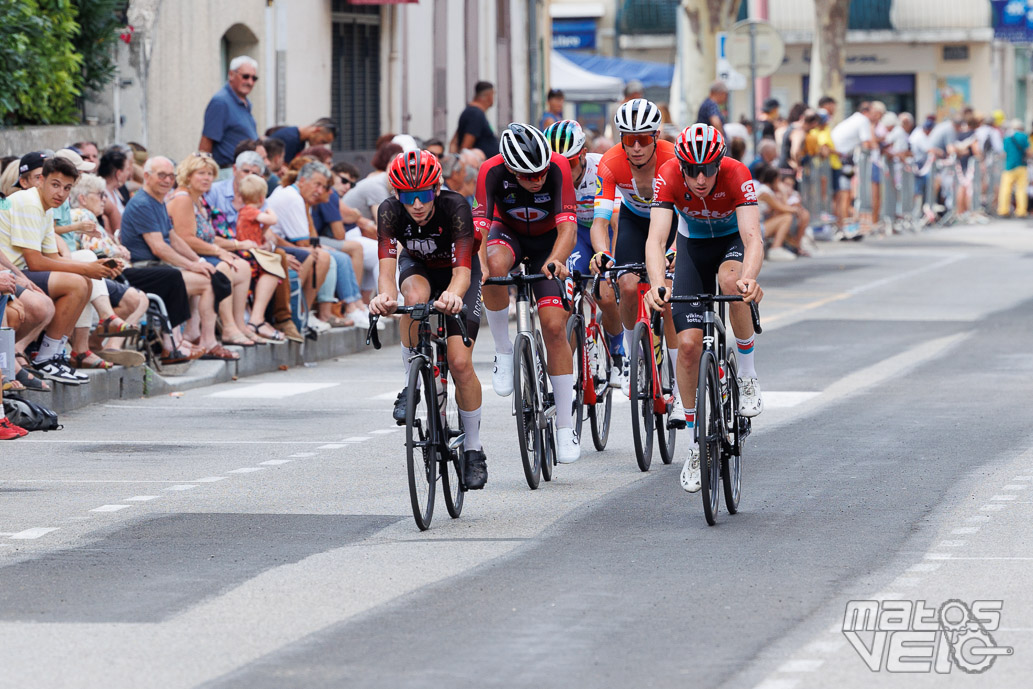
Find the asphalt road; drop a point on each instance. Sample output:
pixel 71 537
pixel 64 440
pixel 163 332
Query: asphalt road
pixel 258 534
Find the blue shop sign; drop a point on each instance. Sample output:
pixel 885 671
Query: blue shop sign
pixel 573 34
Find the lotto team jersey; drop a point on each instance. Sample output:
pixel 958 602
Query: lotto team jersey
pixel 615 176
pixel 500 198
pixel 446 241
pixel 713 216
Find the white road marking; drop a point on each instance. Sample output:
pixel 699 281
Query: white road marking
pixel 331 446
pixel 963 530
pixel 778 684
pixel 354 439
pixel 1023 478
pixel 801 666
pixel 303 454
pixel 29 534
pixel 1003 498
pixel 938 556
pixel 142 498
pixel 245 470
pixel 382 431
pixel 775 399
pixel 1016 486
pixel 271 390
pixel 184 486
pixel 277 462
pixel 952 544
pixel 992 508
pixel 925 567
pixel 110 508
pixel 210 479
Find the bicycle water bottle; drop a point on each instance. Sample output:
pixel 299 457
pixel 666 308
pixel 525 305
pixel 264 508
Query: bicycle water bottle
pixel 568 285
pixel 439 386
pixel 724 383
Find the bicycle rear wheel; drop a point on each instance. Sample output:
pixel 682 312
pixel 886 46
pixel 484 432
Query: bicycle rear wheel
pixel 525 405
pixel 576 337
pixel 731 467
pixel 708 409
pixel 641 362
pixel 452 469
pixel 547 457
pixel 665 434
pixel 420 434
pixel 599 364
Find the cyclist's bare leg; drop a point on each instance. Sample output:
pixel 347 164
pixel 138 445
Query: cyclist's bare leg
pixel 557 347
pixel 415 290
pixel 608 306
pixel 690 347
pixel 628 285
pixel 460 365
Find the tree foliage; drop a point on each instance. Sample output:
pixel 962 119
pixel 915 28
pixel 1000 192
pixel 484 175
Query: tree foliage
pixel 47 57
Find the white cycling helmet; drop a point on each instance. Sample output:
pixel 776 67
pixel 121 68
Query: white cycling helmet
pixel 565 137
pixel 638 116
pixel 524 149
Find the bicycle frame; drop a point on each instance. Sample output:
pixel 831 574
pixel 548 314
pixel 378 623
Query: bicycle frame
pixel 592 326
pixel 527 315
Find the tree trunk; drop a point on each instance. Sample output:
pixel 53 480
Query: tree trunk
pixel 828 52
pixel 697 48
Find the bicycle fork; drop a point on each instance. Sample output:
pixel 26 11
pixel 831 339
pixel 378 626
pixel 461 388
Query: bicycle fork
pixel 525 327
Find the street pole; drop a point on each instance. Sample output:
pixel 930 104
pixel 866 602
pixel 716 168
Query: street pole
pixel 753 85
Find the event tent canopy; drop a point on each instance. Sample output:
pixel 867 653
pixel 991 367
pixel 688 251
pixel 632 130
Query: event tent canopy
pixel 580 84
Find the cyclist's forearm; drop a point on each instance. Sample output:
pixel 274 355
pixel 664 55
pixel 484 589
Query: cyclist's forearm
pixel 460 281
pixel 600 234
pixel 386 281
pixel 566 240
pixel 656 245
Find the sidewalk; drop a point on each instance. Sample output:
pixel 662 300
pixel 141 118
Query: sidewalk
pixel 130 383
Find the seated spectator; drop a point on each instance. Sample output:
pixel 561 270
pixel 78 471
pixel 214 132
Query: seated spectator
pixel 129 304
pixel 767 156
pixel 357 228
pixel 348 256
pixel 191 220
pixel 274 154
pixel 148 235
pixel 435 146
pixel 89 151
pixel 777 215
pixel 367 195
pixel 29 244
pixel 115 167
pixel 224 195
pixel 293 230
pixel 9 178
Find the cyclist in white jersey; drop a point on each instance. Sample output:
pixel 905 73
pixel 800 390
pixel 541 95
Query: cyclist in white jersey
pixel 567 138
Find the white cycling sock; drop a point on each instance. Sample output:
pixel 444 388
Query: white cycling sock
pixel 472 428
pixel 49 348
pixel 629 335
pixel 563 392
pixel 498 322
pixel 744 357
pixel 406 363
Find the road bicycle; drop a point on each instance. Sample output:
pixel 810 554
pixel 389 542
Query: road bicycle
pixel 651 379
pixel 533 405
pixel 720 431
pixel 593 395
pixel 433 429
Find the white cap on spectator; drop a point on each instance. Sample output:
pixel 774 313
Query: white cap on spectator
pixel 76 160
pixel 406 142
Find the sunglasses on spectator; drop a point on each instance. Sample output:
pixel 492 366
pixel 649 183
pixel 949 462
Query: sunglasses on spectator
pixel 249 77
pixel 164 175
pixel 202 154
pixel 694 171
pixel 640 139
pixel 410 197
pixel 346 180
pixel 535 177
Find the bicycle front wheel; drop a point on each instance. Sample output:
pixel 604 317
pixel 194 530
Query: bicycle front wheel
pixel 525 404
pixel 640 358
pixel 420 441
pixel 731 467
pixel 599 364
pixel 576 337
pixel 708 425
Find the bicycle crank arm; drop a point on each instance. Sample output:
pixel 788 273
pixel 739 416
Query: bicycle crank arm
pixel 456 442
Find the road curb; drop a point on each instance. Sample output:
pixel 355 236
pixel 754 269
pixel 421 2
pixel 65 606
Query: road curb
pixel 122 383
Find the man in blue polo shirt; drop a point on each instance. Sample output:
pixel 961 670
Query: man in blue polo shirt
pixel 228 119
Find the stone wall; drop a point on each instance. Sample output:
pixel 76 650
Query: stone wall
pixel 21 140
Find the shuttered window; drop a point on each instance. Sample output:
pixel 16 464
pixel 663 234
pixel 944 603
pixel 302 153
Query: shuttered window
pixel 355 87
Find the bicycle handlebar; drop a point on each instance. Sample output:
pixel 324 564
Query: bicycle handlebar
pixel 714 298
pixel 519 279
pixel 418 312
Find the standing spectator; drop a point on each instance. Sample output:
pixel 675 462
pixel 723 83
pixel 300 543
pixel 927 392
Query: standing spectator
pixel 767 156
pixel 228 119
pixel 634 89
pixel 769 119
pixel 115 167
pixel 710 110
pixel 474 131
pixel 295 139
pixel 1016 151
pixel 919 144
pixel 828 104
pixel 553 109
pixel 274 150
pixel 853 132
pixel 367 194
pixel 436 147
pixel 148 235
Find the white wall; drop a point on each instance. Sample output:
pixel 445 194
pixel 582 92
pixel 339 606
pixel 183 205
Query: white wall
pixel 309 52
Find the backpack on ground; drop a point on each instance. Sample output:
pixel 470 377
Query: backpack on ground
pixel 30 415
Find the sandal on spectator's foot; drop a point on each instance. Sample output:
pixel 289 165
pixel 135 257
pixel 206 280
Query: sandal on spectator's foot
pixel 88 359
pixel 113 326
pixel 272 335
pixel 122 357
pixel 176 356
pixel 31 382
pixel 336 322
pixel 8 431
pixel 14 386
pixel 220 353
pixel 240 339
pixel 25 360
pixel 290 331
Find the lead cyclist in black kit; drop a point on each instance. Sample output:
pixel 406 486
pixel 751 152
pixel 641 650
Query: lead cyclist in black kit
pixel 429 235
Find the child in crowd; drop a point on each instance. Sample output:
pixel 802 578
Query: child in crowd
pixel 252 221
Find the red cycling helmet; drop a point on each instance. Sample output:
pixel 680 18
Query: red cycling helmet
pixel 414 170
pixel 700 144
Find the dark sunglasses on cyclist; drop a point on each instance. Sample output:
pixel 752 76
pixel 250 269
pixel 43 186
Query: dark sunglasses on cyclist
pixel 694 171
pixel 410 197
pixel 536 177
pixel 642 140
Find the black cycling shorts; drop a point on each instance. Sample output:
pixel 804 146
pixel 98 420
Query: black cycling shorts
pixel 632 233
pixel 695 272
pixel 534 250
pixel 439 279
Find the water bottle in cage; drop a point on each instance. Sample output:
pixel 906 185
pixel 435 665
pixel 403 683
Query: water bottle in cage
pixel 439 386
pixel 723 378
pixel 568 285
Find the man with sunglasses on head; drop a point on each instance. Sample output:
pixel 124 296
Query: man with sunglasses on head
pixel 629 168
pixel 428 234
pixel 713 199
pixel 567 138
pixel 526 206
